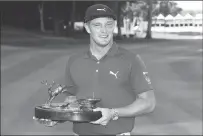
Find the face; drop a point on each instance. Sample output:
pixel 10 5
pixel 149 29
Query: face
pixel 101 30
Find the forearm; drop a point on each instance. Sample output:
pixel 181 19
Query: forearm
pixel 138 107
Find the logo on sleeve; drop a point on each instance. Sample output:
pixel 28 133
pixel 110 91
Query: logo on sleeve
pixel 147 77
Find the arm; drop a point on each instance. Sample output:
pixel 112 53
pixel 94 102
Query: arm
pixel 145 103
pixel 141 84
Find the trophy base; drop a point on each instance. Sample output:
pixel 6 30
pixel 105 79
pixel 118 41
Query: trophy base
pixel 57 114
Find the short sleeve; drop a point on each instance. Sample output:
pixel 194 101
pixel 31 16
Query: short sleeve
pixel 68 79
pixel 139 77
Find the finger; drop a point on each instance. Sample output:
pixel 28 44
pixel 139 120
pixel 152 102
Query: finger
pixel 103 124
pixel 51 124
pixel 44 121
pixel 34 118
pixel 41 121
pixel 94 122
pixel 98 121
pixel 48 122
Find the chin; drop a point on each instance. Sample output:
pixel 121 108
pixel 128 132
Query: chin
pixel 103 43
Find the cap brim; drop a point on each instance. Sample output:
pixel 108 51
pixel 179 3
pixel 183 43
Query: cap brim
pixel 86 19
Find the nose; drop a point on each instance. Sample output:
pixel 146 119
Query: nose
pixel 103 29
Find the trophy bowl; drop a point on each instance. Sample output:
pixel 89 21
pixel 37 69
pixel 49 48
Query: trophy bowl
pixel 75 110
pixel 57 114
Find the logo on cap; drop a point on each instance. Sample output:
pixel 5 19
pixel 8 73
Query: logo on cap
pixel 102 9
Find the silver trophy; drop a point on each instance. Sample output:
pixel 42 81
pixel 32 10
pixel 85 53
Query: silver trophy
pixel 75 110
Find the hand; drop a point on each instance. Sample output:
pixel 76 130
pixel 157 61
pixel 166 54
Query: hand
pixel 106 116
pixel 46 122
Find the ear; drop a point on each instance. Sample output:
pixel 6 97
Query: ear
pixel 115 23
pixel 86 25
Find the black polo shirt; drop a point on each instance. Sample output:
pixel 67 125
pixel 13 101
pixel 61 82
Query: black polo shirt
pixel 116 78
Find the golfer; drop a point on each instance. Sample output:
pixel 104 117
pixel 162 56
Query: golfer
pixel 112 73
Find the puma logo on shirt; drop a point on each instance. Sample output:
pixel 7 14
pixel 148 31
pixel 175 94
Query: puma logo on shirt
pixel 115 74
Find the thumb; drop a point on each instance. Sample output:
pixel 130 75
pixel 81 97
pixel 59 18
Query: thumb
pixel 97 109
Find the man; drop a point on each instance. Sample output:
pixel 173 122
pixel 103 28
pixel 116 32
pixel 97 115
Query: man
pixel 112 73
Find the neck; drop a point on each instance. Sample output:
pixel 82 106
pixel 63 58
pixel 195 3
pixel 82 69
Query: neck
pixel 99 51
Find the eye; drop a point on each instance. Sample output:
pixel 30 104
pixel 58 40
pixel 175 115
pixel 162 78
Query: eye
pixel 110 24
pixel 96 25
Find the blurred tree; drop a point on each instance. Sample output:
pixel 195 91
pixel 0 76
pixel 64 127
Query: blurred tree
pixel 56 19
pixel 73 15
pixel 149 16
pixel 139 11
pixel 144 10
pixel 41 12
pixel 174 9
pixel 119 17
pixel 165 8
pixel 127 18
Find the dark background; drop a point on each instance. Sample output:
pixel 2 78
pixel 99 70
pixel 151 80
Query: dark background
pixel 25 14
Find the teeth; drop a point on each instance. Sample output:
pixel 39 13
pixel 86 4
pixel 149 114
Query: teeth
pixel 104 36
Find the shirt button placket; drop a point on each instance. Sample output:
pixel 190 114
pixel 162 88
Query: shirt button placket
pixel 97 67
pixel 96 75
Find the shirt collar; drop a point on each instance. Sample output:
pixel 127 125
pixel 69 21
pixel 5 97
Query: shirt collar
pixel 111 52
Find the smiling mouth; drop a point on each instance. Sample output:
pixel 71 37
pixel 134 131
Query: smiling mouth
pixel 105 36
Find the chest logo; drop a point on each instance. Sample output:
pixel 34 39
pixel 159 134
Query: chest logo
pixel 115 74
